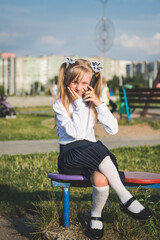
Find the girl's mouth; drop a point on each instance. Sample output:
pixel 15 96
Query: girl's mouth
pixel 80 92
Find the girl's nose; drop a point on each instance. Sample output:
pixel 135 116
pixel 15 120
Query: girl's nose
pixel 78 87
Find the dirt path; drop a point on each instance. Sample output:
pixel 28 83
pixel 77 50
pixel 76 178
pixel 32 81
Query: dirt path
pixel 132 130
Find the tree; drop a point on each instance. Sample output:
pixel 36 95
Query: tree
pixel 113 84
pixel 53 80
pixel 36 88
pixel 2 91
pixel 136 81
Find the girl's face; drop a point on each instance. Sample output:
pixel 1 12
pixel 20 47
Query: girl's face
pixel 80 85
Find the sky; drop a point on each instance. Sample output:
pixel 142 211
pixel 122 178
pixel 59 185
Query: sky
pixel 73 27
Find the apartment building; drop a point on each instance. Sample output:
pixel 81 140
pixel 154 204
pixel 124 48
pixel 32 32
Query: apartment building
pixel 148 68
pixel 18 74
pixel 8 72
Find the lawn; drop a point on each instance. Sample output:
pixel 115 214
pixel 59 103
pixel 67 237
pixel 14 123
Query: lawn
pixel 30 124
pixel 26 189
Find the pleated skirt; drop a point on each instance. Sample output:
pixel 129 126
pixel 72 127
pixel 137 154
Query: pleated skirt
pixel 83 158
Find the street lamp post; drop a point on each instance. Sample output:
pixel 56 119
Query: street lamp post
pixel 104 34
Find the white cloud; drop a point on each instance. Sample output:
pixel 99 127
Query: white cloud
pixel 8 37
pixel 155 45
pixel 51 40
pixel 151 45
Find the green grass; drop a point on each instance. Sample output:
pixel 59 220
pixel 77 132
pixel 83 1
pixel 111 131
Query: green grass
pixel 25 189
pixel 33 109
pixel 155 124
pixel 24 181
pixel 30 124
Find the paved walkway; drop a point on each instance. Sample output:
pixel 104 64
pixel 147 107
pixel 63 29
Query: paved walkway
pixel 44 146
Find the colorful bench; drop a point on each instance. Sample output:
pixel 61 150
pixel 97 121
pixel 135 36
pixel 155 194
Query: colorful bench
pixel 132 179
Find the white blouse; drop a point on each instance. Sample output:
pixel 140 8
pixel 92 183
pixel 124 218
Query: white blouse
pixel 80 126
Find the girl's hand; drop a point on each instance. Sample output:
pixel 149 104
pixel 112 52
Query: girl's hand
pixel 74 96
pixel 90 96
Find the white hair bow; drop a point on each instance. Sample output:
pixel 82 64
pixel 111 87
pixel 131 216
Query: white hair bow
pixel 96 66
pixel 69 61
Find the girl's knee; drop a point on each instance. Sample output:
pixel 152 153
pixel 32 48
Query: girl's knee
pixel 99 180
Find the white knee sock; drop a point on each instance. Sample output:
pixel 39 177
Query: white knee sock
pixel 100 195
pixel 108 168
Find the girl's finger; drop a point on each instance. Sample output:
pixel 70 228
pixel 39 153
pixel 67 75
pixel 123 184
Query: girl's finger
pixel 89 94
pixel 91 88
pixel 74 96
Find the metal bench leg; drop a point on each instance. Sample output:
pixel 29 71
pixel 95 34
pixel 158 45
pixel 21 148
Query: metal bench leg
pixel 66 210
pixel 126 104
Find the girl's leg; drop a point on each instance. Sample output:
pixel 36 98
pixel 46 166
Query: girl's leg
pixel 110 171
pixel 100 195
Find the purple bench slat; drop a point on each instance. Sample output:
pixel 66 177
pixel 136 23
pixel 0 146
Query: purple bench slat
pixel 63 177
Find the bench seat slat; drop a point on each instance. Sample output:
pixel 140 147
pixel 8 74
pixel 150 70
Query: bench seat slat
pixel 64 177
pixel 141 100
pixel 142 177
pixel 140 90
pixel 148 95
pixel 140 106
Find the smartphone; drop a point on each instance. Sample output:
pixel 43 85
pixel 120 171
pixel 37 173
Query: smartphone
pixel 92 84
pixel 93 81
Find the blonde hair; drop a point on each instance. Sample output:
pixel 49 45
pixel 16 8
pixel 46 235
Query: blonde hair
pixel 74 71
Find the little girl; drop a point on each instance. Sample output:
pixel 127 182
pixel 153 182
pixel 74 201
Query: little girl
pixel 78 108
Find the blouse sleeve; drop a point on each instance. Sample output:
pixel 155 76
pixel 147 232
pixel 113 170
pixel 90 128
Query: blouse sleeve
pixel 106 118
pixel 72 125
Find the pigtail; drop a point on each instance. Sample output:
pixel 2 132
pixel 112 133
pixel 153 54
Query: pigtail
pixel 60 88
pixel 97 87
pixel 62 93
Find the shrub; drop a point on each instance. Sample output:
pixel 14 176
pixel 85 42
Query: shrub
pixel 2 91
